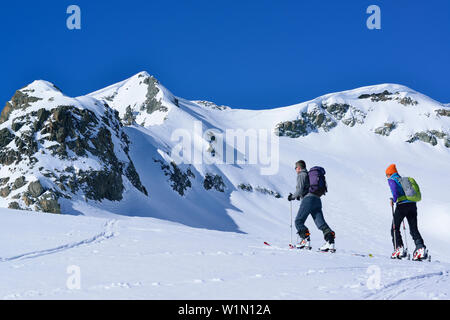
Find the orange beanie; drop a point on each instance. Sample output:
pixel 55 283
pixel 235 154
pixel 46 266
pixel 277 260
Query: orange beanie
pixel 391 169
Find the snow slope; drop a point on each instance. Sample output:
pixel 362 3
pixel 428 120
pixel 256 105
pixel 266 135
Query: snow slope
pixel 208 243
pixel 146 258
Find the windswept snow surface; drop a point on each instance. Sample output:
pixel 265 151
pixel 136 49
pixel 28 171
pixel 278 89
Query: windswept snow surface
pixel 146 258
pixel 208 244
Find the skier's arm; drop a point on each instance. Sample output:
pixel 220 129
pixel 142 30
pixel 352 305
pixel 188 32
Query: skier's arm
pixel 393 187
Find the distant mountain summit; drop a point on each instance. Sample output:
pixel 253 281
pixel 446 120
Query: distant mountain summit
pixel 382 109
pixel 140 99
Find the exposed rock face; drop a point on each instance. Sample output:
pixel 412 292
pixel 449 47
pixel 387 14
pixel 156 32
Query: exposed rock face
pixel 376 97
pixel 4 192
pixel 337 110
pixel 425 137
pixel 13 205
pixel 309 121
pixel 386 96
pixel 211 105
pixel 5 137
pixel 20 100
pixel 129 118
pixel 179 180
pixel 19 183
pixel 431 137
pixel 70 150
pixel 443 112
pixel 48 203
pixel 324 116
pixel 268 191
pixel 214 181
pixel 247 187
pixel 407 101
pixel 386 129
pixel 152 103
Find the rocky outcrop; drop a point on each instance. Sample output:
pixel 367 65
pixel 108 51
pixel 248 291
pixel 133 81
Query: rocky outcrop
pixel 20 100
pixel 268 192
pixel 211 105
pixel 5 137
pixel 35 189
pixel 324 116
pixel 407 101
pixel 214 181
pixel 248 188
pixel 386 96
pixel 431 137
pixel 152 104
pixel 386 129
pixel 179 180
pixel 309 121
pixel 354 116
pixel 377 97
pixel 443 112
pixel 129 117
pixel 338 110
pixel 19 183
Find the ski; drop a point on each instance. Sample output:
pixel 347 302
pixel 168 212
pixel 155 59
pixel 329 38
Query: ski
pixel 369 255
pixel 269 245
pixel 356 254
pixel 304 248
pixel 327 251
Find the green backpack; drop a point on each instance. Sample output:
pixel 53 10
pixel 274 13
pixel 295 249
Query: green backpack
pixel 411 189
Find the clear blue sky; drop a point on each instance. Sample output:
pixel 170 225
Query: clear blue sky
pixel 246 53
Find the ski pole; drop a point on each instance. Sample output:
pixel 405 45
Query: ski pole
pixel 406 239
pixel 291 220
pixel 393 223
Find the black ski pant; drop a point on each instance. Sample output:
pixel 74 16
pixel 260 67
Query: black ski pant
pixel 409 211
pixel 312 205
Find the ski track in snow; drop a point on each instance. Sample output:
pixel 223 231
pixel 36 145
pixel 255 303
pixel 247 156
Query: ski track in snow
pixel 394 289
pixel 107 233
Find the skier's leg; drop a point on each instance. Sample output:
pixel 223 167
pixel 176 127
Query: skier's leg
pixel 302 215
pixel 399 215
pixel 411 216
pixel 320 222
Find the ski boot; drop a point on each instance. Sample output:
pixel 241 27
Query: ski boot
pixel 329 236
pixel 399 253
pixel 304 244
pixel 420 254
pixel 328 247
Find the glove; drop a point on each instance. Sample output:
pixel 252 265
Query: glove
pixel 290 197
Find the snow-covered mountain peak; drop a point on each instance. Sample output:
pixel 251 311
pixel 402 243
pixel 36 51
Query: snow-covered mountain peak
pixel 382 109
pixel 140 99
pixel 39 87
pixel 55 148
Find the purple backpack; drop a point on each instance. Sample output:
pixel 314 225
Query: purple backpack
pixel 317 182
